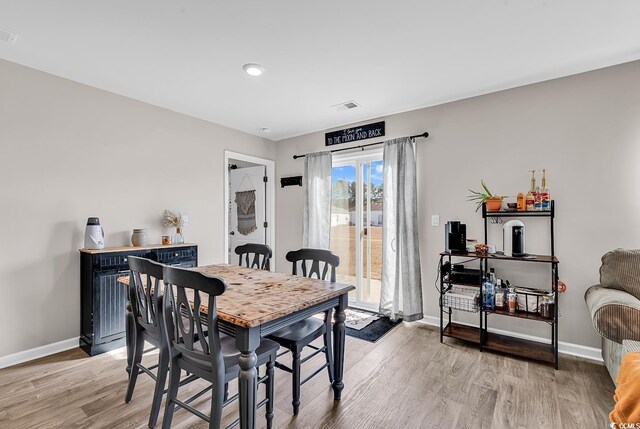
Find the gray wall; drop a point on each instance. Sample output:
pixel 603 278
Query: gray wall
pixel 584 129
pixel 70 151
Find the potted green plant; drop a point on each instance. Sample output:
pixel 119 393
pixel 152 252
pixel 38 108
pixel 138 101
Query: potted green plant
pixel 494 202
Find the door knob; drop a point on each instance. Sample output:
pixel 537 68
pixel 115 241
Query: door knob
pixel 232 233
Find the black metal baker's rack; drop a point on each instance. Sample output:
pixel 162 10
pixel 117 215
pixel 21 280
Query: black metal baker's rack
pixel 546 352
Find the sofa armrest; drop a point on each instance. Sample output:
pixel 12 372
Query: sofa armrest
pixel 615 314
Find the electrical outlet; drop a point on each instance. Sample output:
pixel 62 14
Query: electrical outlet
pixel 435 220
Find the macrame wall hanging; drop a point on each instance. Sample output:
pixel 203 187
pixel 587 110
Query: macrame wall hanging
pixel 246 202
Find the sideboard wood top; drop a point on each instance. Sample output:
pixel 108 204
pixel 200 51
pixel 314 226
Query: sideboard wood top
pixel 134 248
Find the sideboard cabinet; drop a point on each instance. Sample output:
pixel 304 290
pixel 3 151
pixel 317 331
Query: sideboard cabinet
pixel 103 300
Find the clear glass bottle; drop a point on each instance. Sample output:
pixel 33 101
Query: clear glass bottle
pixel 547 307
pixel 488 293
pixel 179 237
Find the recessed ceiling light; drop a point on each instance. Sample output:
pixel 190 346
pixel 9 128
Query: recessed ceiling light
pixel 253 69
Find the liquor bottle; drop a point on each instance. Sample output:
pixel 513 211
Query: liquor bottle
pixel 537 200
pixel 512 300
pixel 500 297
pixel 546 195
pixel 488 293
pixel 522 204
pixel 531 198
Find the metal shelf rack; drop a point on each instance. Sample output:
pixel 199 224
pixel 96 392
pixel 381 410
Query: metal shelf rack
pixel 546 352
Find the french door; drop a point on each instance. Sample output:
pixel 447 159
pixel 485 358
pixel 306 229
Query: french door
pixel 356 224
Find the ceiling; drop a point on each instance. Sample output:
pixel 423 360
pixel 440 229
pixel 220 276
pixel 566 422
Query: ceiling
pixel 187 55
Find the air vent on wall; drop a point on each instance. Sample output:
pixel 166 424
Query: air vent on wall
pixel 7 36
pixel 347 105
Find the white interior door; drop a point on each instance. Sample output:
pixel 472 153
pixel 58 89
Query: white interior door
pixel 247 179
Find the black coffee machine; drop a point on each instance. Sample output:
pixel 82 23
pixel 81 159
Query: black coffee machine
pixel 455 237
pixel 513 243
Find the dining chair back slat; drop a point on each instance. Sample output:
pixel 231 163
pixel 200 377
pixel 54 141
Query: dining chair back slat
pixel 144 291
pixel 323 262
pixel 255 255
pixel 185 321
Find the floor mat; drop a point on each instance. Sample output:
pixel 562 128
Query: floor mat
pixel 357 319
pixel 374 330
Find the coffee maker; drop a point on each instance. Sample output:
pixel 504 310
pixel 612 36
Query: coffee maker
pixel 455 237
pixel 513 238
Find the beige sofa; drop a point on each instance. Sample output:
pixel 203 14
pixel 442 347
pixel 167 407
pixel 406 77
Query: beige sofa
pixel 614 304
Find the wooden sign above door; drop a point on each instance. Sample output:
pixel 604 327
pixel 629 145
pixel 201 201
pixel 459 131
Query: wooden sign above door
pixel 350 135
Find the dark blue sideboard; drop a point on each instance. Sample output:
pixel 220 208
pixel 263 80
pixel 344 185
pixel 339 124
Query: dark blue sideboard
pixel 103 300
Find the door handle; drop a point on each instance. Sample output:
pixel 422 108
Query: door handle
pixel 365 231
pixel 232 233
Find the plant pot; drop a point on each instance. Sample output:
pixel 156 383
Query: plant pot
pixel 494 204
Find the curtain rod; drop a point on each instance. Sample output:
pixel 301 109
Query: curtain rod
pixel 423 135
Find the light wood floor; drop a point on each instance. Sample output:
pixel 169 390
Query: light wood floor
pixel 406 380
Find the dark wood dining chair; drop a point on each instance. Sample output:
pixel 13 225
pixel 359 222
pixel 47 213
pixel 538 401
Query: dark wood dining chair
pixel 316 263
pixel 255 256
pixel 145 299
pixel 201 350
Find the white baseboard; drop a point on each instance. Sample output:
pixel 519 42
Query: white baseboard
pixel 563 347
pixel 38 352
pixel 61 346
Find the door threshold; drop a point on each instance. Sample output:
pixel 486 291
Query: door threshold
pixel 364 308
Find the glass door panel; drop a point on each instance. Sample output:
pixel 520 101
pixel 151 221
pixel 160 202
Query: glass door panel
pixel 372 232
pixel 343 198
pixel 356 225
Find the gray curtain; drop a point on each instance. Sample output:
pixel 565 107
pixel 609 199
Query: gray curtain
pixel 317 200
pixel 401 294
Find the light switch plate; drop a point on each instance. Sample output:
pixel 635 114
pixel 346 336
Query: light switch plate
pixel 435 220
pixel 185 219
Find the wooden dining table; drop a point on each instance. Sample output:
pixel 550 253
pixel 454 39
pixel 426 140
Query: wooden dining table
pixel 256 304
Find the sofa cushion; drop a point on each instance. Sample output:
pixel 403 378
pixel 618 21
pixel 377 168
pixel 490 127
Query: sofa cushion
pixel 615 314
pixel 621 270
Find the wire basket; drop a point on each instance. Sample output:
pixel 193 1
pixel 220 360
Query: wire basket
pixel 529 299
pixel 462 298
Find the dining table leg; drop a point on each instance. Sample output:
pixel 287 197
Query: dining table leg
pixel 247 341
pixel 338 346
